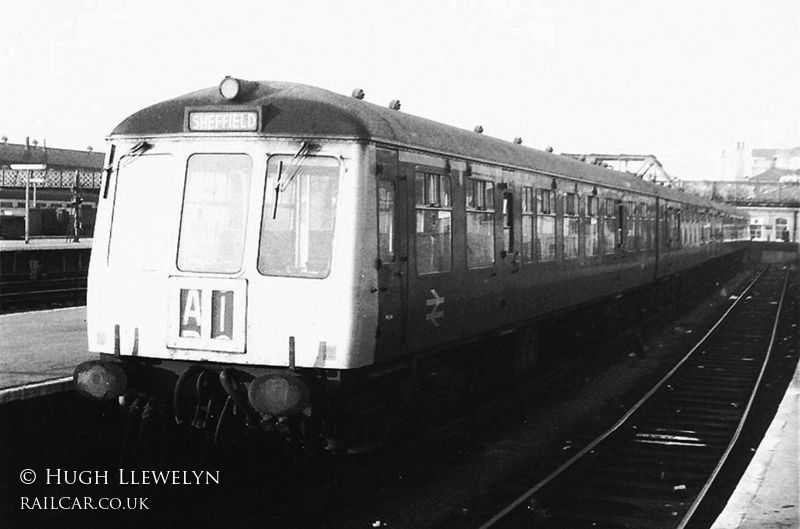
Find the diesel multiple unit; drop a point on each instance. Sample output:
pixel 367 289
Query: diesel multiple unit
pixel 293 253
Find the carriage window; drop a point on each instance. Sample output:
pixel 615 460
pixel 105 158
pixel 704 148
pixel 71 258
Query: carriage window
pixel 631 241
pixel 434 223
pixel 641 234
pixel 570 221
pixel 675 228
pixel 386 221
pixel 527 225
pixel 299 215
pixel 685 240
pixel 546 226
pixel 591 242
pixel 610 226
pixel 480 223
pixel 138 234
pixel 665 231
pixel 508 223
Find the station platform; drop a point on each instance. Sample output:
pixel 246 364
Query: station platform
pixel 44 243
pixel 40 350
pixel 768 494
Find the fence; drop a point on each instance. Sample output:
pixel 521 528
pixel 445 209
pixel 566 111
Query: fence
pixel 54 178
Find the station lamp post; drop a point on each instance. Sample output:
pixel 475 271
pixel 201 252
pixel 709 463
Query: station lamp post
pixel 29 168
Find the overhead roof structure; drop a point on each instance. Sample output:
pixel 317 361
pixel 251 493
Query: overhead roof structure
pixel 11 153
pixel 650 169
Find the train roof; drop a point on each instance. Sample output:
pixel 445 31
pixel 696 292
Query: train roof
pixel 297 110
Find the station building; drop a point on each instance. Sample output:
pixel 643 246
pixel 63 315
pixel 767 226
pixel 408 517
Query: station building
pixel 70 179
pixel 766 184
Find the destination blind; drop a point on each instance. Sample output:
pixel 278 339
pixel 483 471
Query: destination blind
pixel 234 121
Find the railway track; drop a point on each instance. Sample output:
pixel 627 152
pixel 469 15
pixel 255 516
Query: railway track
pixel 16 296
pixel 655 465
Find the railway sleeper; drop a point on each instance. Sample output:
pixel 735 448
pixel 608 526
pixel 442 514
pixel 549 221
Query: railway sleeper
pixel 609 518
pixel 678 489
pixel 693 410
pixel 632 451
pixel 682 426
pixel 661 471
pixel 646 506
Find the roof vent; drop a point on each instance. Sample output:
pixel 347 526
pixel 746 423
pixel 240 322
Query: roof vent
pixel 518 140
pixel 479 129
pixel 358 93
pixel 4 139
pixel 394 104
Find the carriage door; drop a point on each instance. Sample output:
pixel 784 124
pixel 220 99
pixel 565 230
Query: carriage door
pixel 392 262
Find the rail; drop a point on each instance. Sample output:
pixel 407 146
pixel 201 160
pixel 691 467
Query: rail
pixel 661 442
pixel 16 296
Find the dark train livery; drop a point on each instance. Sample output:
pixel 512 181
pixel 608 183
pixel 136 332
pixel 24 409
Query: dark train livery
pixel 294 253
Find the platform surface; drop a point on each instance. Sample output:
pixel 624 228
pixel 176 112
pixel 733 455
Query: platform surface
pixel 768 494
pixel 39 350
pixel 44 243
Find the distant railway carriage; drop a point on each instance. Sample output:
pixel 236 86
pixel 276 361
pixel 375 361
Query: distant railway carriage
pixel 301 250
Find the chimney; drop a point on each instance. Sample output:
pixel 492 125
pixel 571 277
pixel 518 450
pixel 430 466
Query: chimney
pixel 739 172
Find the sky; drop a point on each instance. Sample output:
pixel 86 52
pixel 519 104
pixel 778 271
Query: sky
pixel 683 80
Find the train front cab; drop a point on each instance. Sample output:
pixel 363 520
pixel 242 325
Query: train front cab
pixel 232 254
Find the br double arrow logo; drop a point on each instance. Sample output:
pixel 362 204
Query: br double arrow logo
pixel 435 313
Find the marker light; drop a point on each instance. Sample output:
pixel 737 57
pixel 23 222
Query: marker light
pixel 279 395
pixel 229 88
pixel 99 380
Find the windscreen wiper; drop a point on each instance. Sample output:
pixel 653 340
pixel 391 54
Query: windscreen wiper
pixel 277 190
pixel 133 153
pixel 305 149
pixel 126 159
